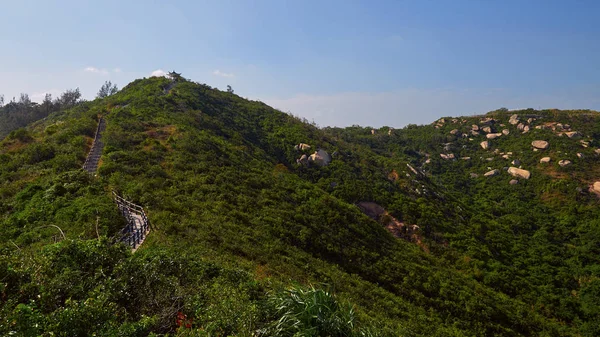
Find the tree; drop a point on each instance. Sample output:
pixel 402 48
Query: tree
pixel 47 102
pixel 229 89
pixel 69 98
pixel 107 89
pixel 1 101
pixel 25 100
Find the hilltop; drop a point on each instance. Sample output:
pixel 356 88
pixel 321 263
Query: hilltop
pixel 424 230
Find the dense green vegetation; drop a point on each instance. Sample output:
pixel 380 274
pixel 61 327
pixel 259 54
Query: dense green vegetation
pixel 249 242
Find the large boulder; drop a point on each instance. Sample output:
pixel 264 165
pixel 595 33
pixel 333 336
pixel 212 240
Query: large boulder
pixel 519 173
pixel 574 134
pixel 564 162
pixel 595 187
pixel 514 119
pixel 540 144
pixel 485 145
pixel 492 173
pixel 486 129
pixel 302 147
pixel 475 127
pixel 545 160
pixel 321 158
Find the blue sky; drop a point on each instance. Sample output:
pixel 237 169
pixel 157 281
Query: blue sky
pixel 338 63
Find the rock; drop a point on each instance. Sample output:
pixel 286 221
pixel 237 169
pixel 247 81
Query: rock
pixel 584 143
pixel 372 131
pixel 489 159
pixel 465 158
pixel 474 133
pixel 321 158
pixel 526 129
pixel 492 173
pixel 474 175
pixel 595 188
pixel 519 173
pixel 514 119
pixel 513 182
pixel 487 120
pixel 390 131
pixel 521 126
pixel 597 151
pixel 506 132
pixel 580 155
pixel 448 156
pixel 540 144
pixel 485 145
pixel 564 162
pixel 448 147
pixel 574 134
pixel 505 156
pixel 486 129
pixel 529 120
pixel 302 160
pixel 545 160
pixel 475 127
pixel 493 135
pixel 454 132
pixel 516 162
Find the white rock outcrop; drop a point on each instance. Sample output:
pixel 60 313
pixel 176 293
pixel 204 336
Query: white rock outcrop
pixel 492 173
pixel 519 173
pixel 540 144
pixel 514 119
pixel 574 134
pixel 595 188
pixel 564 162
pixel 493 135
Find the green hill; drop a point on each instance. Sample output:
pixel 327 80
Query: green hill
pixel 250 238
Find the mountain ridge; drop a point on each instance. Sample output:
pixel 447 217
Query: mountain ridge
pixel 219 175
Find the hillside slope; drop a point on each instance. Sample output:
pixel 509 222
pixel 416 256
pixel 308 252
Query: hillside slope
pixel 238 218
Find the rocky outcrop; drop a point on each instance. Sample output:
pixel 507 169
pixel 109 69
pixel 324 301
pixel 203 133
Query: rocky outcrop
pixel 475 127
pixel 485 145
pixel 564 162
pixel 595 188
pixel 486 129
pixel 519 173
pixel 514 119
pixel 493 135
pixel 526 129
pixel 545 160
pixel 492 173
pixel 321 158
pixel 574 134
pixel 301 147
pixel 540 144
pixel 454 132
pixel 302 160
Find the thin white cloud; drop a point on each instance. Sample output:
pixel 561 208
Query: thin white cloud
pixel 222 74
pixel 40 95
pixel 158 73
pixel 95 70
pixel 117 70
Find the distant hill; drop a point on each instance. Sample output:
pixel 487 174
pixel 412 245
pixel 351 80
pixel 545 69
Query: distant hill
pixel 400 232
